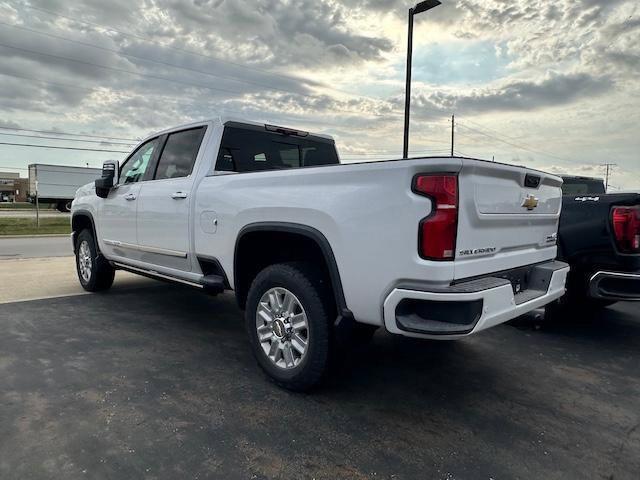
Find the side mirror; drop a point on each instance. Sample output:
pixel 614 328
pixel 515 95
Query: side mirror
pixel 109 179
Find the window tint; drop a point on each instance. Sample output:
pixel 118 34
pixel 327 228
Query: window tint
pixel 247 150
pixel 134 168
pixel 179 154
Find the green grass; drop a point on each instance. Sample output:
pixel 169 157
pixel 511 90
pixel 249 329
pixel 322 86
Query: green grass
pixel 17 206
pixel 27 226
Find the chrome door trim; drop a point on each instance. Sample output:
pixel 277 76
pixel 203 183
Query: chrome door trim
pixel 142 248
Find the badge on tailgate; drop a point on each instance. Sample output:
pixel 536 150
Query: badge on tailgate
pixel 530 202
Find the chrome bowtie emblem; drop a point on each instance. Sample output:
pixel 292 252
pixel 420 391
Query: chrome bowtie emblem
pixel 530 202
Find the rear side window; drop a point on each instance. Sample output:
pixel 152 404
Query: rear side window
pixel 179 153
pixel 246 150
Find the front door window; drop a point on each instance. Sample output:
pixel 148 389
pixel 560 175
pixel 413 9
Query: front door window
pixel 135 167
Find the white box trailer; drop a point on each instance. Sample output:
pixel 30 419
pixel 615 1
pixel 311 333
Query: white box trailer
pixel 58 184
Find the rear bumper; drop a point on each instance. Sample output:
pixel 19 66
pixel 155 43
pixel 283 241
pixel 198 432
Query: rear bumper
pixel 615 286
pixel 467 308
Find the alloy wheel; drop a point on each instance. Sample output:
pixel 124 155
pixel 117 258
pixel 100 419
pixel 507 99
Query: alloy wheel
pixel 283 328
pixel 84 261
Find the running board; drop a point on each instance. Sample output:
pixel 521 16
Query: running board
pixel 156 275
pixel 212 284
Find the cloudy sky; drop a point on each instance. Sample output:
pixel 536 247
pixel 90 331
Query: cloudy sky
pixel 551 85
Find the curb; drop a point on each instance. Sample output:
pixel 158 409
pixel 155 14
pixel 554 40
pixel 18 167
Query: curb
pixel 44 235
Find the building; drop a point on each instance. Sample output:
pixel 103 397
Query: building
pixel 13 188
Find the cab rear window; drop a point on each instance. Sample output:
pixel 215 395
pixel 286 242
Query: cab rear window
pixel 582 186
pixel 251 150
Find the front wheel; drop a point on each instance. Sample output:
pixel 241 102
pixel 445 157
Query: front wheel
pixel 94 272
pixel 288 322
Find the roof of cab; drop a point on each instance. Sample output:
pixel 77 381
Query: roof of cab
pixel 223 120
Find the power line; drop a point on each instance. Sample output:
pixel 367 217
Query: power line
pixel 378 153
pixel 500 137
pixel 62 148
pixel 52 132
pixel 129 55
pixel 192 52
pixel 116 69
pixel 223 110
pixel 540 152
pixel 149 40
pixel 66 139
pixel 40 169
pixel 492 130
pixel 155 77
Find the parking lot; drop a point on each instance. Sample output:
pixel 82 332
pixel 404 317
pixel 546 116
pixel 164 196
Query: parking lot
pixel 157 381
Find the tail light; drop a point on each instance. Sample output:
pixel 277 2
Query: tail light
pixel 437 233
pixel 626 228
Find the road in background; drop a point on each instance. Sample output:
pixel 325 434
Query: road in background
pixel 35 247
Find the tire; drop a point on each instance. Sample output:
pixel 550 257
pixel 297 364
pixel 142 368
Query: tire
pixel 294 354
pixel 94 272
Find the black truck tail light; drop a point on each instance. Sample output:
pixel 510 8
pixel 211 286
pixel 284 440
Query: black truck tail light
pixel 626 228
pixel 437 232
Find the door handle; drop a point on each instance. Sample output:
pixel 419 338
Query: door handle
pixel 178 195
pixel 129 197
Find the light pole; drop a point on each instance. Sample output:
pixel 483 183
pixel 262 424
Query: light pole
pixel 419 8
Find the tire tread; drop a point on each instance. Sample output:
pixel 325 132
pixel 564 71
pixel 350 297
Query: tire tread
pixel 303 276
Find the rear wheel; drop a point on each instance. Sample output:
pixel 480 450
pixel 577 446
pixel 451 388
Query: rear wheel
pixel 94 272
pixel 288 322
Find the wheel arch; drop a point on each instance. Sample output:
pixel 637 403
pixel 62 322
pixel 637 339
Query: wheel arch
pixel 306 232
pixel 80 220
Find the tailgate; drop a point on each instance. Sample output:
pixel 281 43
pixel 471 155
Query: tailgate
pixel 508 217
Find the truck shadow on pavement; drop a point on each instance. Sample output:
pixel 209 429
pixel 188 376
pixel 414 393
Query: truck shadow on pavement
pixel 160 381
pixel 614 326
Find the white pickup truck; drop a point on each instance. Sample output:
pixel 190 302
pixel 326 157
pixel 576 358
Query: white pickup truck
pixel 317 251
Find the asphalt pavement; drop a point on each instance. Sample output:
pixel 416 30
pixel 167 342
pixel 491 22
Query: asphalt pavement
pixel 159 382
pixel 35 247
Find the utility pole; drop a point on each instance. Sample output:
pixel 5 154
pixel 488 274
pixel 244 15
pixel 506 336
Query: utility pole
pixel 37 201
pixel 453 132
pixel 609 167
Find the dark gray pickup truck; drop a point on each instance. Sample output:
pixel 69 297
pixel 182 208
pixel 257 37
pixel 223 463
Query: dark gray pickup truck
pixel 599 236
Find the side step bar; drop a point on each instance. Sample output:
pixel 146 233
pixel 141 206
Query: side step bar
pixel 212 284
